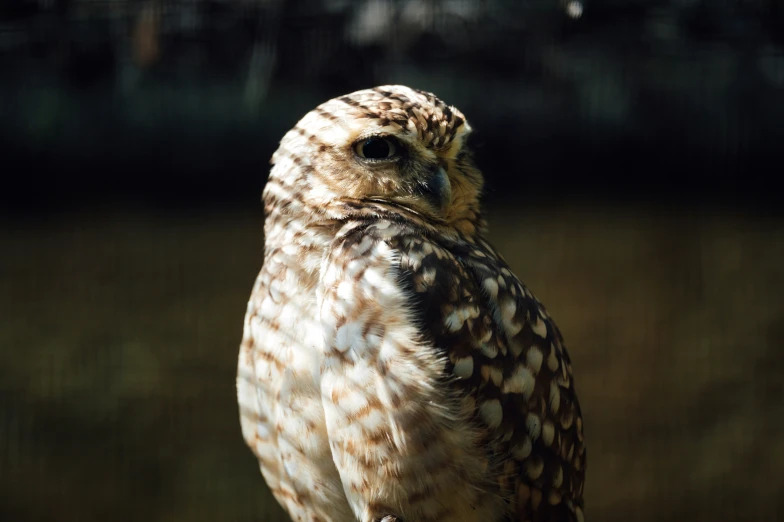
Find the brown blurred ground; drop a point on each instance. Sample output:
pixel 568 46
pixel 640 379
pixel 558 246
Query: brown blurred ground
pixel 119 332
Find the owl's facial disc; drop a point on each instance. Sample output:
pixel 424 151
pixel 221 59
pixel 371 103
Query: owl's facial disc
pixel 389 143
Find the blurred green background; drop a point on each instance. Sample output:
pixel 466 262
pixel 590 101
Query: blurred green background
pixel 632 151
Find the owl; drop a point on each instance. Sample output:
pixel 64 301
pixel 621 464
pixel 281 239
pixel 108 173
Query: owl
pixel 392 367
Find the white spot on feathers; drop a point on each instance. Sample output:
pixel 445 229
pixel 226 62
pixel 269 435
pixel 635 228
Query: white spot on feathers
pixel 540 328
pixel 464 367
pixel 508 311
pixel 457 318
pixel 534 359
pixel 492 413
pixel 548 432
pixel 521 381
pixel 552 360
pixel 491 287
pixel 346 292
pixel 489 350
pixel 558 477
pixel 347 334
pixel 354 268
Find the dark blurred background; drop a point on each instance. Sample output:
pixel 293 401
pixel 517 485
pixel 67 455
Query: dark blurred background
pixel 632 151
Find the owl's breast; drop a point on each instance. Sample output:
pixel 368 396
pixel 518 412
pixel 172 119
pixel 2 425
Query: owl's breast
pixel 279 392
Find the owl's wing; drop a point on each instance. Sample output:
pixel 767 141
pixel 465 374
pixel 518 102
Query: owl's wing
pixel 446 394
pixel 506 353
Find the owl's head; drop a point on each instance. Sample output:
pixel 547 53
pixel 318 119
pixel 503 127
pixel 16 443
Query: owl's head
pixel 391 143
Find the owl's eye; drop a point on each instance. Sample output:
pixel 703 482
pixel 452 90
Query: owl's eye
pixel 376 148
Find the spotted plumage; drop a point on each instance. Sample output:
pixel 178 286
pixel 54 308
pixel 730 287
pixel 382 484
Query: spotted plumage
pixel 392 366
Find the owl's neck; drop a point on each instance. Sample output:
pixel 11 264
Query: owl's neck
pixel 306 226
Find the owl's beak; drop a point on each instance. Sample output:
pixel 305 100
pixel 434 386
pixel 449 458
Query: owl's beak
pixel 437 189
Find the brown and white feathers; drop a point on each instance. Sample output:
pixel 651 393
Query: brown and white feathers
pixel 392 365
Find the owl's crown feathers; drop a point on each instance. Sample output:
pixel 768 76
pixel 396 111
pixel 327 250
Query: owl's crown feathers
pixel 390 144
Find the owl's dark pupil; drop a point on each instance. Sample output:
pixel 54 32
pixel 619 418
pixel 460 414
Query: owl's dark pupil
pixel 376 148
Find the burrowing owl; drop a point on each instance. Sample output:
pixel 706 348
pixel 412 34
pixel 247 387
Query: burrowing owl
pixel 392 366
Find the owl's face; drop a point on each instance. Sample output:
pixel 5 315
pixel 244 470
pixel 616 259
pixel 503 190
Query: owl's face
pixel 390 143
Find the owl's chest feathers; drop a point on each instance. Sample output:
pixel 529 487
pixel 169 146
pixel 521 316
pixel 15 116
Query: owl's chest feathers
pixel 292 275
pixel 318 406
pixel 288 339
pixel 290 309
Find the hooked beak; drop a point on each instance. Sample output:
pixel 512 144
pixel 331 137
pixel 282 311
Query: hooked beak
pixel 437 189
